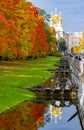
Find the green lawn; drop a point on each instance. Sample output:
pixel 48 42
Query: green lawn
pixel 17 74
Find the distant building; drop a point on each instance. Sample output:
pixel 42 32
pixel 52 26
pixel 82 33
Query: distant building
pixel 72 39
pixel 56 22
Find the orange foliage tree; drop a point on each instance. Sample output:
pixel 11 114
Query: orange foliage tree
pixel 40 46
pixel 22 30
pixel 8 34
pixel 26 21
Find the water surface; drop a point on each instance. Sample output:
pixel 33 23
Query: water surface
pixel 41 115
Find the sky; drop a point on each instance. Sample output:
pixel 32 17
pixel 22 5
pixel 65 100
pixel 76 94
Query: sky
pixel 72 12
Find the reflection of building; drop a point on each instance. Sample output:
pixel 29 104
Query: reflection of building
pixel 56 22
pixel 56 111
pixel 72 39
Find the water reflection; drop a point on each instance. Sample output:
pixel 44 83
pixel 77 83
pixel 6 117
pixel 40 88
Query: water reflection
pixel 26 116
pixel 56 111
pixel 41 114
pixel 62 124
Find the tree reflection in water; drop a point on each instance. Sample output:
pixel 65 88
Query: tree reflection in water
pixel 35 115
pixel 26 116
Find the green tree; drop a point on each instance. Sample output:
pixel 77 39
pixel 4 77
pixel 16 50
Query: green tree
pixel 43 13
pixel 49 34
pixel 62 44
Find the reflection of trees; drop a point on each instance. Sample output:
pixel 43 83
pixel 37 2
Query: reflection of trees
pixel 30 115
pixel 55 108
pixel 25 117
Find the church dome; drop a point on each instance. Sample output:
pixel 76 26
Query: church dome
pixel 60 18
pixel 55 17
pixel 56 22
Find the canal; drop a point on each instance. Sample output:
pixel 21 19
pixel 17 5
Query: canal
pixel 42 114
pixel 55 106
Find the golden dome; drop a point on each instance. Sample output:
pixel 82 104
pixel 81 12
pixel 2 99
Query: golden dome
pixel 56 113
pixel 60 18
pixel 55 17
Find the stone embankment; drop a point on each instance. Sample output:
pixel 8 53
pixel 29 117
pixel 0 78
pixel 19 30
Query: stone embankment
pixel 77 68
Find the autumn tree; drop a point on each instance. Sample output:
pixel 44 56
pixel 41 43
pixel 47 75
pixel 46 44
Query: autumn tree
pixel 9 33
pixel 22 30
pixel 40 46
pixel 26 23
pixel 80 48
pixel 51 39
pixel 18 22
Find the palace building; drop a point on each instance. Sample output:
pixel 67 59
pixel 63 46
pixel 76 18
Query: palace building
pixel 56 22
pixel 72 39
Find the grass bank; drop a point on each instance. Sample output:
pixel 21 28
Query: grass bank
pixel 17 74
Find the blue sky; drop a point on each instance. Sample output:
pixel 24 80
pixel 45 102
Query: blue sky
pixel 72 12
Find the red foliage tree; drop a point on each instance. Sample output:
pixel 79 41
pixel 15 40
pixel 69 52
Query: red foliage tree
pixel 40 46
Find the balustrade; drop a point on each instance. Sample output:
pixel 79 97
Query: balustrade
pixel 77 67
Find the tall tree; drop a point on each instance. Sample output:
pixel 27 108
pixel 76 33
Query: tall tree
pixel 9 33
pixel 22 30
pixel 26 23
pixel 40 47
pixel 62 44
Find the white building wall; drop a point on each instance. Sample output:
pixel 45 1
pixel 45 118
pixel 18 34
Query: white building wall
pixel 72 39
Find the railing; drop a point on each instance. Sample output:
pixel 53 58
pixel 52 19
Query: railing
pixel 78 67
